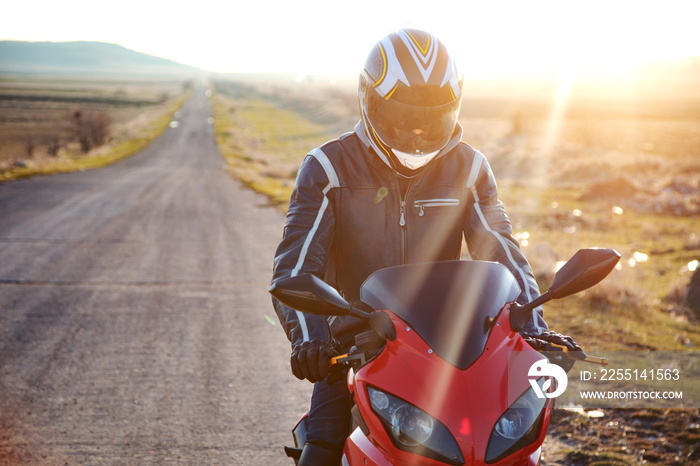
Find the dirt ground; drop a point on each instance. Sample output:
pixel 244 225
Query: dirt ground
pixel 623 436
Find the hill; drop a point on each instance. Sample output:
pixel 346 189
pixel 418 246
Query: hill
pixel 84 58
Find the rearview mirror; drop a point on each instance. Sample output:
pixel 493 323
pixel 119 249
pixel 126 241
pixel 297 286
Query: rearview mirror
pixel 585 268
pixel 308 293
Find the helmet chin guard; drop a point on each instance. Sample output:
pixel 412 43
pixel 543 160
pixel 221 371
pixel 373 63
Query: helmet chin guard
pixel 410 94
pixel 414 162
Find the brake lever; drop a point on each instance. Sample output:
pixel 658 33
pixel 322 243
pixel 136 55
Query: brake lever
pixel 544 346
pixel 348 359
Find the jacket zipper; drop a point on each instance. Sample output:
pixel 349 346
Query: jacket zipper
pixel 402 218
pixel 422 204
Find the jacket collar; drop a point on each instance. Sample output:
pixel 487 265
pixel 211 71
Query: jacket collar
pixel 451 144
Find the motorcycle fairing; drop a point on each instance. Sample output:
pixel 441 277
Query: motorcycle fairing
pixel 468 402
pixel 359 450
pixel 453 343
pixel 451 304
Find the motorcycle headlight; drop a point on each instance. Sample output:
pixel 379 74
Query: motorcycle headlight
pixel 412 429
pixel 517 427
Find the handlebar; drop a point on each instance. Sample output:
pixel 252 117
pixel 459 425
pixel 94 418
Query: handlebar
pixel 545 346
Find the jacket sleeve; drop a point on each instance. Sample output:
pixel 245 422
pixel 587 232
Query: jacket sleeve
pixel 308 234
pixel 488 233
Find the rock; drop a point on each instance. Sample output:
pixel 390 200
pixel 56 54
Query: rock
pixel 616 189
pixel 681 186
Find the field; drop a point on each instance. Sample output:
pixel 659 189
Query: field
pixel 584 168
pixel 581 187
pixel 38 120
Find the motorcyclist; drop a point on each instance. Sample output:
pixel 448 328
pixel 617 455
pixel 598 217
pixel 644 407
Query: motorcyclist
pixel 400 188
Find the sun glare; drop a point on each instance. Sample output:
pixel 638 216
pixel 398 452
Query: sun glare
pixel 488 38
pixel 606 40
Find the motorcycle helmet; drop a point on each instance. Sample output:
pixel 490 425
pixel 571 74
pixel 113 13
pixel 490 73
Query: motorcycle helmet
pixel 410 93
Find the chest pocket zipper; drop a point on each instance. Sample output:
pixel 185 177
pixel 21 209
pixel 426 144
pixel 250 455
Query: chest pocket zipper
pixel 422 204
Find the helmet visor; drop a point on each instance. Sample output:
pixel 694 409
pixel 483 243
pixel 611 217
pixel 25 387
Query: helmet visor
pixel 412 129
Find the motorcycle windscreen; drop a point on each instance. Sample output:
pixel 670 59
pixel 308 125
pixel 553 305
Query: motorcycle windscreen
pixel 450 304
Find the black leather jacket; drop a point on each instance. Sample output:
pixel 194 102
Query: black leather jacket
pixel 350 214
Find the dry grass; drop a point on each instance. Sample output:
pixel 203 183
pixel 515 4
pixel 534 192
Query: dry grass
pixel 263 138
pixel 562 182
pixel 36 114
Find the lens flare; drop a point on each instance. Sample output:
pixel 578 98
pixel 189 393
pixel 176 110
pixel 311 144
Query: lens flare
pixel 693 265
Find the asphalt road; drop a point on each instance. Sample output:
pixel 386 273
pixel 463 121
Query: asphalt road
pixel 134 313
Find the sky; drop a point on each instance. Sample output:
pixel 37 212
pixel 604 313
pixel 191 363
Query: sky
pixel 488 37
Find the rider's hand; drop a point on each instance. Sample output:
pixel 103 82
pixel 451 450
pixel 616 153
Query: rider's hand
pixel 563 343
pixel 311 360
pixel 561 350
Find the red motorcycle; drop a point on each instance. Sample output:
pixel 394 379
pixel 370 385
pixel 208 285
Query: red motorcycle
pixel 442 377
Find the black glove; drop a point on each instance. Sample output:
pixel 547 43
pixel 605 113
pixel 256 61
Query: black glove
pixel 311 360
pixel 552 343
pixel 558 342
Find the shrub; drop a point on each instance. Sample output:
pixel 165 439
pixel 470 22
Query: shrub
pixel 91 128
pixel 29 145
pixel 53 145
